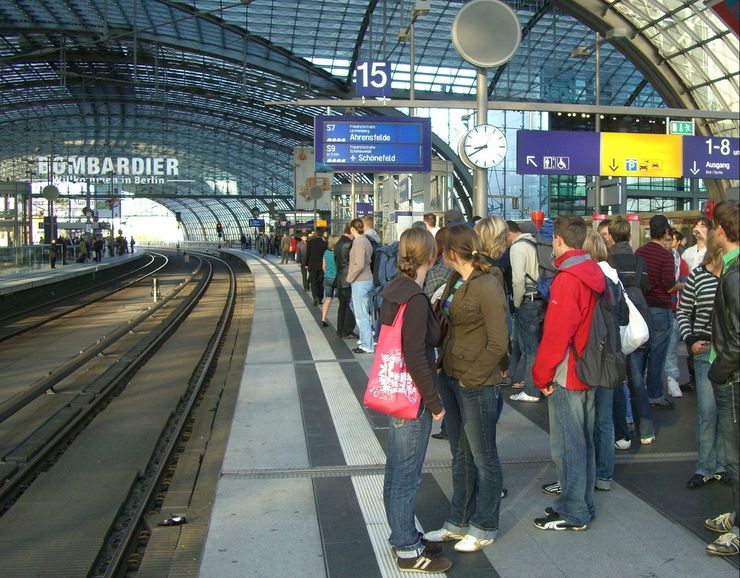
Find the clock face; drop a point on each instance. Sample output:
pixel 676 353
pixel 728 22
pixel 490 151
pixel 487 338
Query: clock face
pixel 483 147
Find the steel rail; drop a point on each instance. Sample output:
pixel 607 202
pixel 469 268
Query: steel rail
pixel 126 538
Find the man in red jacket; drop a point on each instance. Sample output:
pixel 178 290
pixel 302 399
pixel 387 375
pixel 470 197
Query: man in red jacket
pixel 571 402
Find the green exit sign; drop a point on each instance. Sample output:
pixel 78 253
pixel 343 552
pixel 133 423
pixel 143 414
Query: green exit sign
pixel 681 127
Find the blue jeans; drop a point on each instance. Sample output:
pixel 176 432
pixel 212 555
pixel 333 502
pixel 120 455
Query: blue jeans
pixel 638 399
pixel 660 337
pixel 516 371
pixel 727 397
pixel 604 433
pixel 471 415
pixel 671 358
pixel 407 446
pixel 710 452
pixel 572 448
pixel 361 301
pixel 528 319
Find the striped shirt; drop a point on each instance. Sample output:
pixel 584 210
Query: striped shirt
pixel 661 274
pixel 694 313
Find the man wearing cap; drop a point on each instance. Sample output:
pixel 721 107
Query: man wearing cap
pixel 662 284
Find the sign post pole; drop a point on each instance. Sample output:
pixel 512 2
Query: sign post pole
pixel 480 185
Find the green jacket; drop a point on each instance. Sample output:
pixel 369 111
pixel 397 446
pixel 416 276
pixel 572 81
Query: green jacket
pixel 477 343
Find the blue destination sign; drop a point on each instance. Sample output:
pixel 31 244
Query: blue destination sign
pixel 713 157
pixel 541 152
pixel 373 144
pixel 260 223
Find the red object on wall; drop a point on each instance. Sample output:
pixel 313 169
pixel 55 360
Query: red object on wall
pixel 709 209
pixel 538 218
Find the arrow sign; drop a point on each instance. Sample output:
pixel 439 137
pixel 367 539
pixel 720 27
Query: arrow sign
pixel 614 166
pixel 582 149
pixel 711 157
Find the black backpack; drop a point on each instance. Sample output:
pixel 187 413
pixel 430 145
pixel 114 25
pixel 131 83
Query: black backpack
pixel 632 282
pixel 602 363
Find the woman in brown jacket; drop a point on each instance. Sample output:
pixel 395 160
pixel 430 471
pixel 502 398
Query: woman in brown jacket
pixel 473 356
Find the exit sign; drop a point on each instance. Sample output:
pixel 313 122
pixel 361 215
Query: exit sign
pixel 684 127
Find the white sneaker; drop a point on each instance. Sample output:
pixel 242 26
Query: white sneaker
pixel 522 396
pixel 647 441
pixel 442 535
pixel 673 387
pixel 472 544
pixel 624 444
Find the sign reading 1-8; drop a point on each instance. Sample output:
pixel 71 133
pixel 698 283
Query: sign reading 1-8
pixel 711 157
pixel 373 78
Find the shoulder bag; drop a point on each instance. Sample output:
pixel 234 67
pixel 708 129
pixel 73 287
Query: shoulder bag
pixel 390 389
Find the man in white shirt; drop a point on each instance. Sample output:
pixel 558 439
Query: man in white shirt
pixel 694 255
pixel 430 220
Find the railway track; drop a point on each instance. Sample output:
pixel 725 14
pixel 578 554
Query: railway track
pixel 115 413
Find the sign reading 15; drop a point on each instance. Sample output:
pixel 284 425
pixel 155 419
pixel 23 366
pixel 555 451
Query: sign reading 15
pixel 373 78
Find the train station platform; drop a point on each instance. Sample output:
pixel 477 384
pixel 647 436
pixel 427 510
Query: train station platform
pixel 14 280
pixel 25 286
pixel 300 489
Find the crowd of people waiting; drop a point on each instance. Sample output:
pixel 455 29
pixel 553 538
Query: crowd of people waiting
pixel 88 247
pixel 480 315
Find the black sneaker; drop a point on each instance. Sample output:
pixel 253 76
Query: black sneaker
pixel 423 564
pixel 555 521
pixel 552 489
pixel 722 477
pixel 431 549
pixel 663 404
pixel 698 481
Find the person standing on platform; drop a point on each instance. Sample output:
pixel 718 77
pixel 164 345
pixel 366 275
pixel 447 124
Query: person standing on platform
pixel 301 257
pixel 330 278
pixel 360 276
pixel 284 248
pixel 571 401
pixel 370 233
pixel 528 304
pixel 724 372
pixel 430 222
pixel 662 283
pixel 408 438
pixel 694 255
pixel 694 318
pixel 634 277
pixel 133 243
pixel 53 250
pixel 473 355
pixel 345 316
pixel 293 247
pixel 315 263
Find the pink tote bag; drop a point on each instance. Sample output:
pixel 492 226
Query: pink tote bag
pixel 390 389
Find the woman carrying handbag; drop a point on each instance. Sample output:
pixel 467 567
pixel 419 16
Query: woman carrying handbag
pixel 473 356
pixel 408 438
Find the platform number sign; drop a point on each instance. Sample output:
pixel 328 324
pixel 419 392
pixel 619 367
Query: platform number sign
pixel 373 78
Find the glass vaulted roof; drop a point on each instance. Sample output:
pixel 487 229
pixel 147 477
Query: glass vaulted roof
pixel 191 78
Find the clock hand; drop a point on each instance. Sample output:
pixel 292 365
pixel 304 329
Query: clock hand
pixel 478 149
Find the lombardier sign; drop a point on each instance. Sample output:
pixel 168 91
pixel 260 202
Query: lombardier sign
pixel 130 169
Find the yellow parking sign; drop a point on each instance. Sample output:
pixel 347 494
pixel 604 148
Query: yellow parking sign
pixel 641 155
